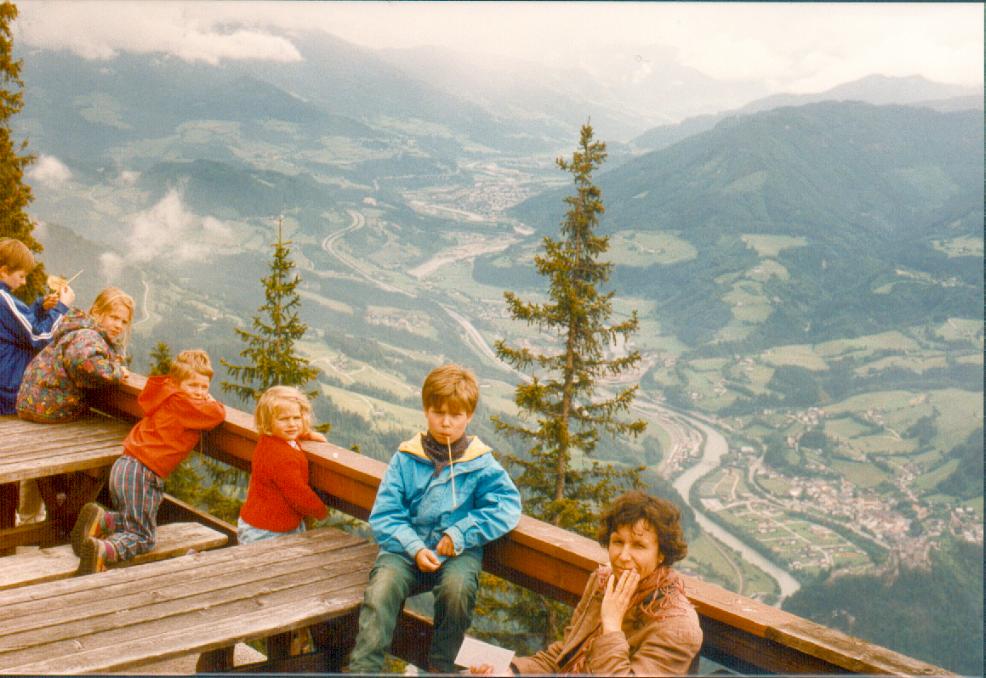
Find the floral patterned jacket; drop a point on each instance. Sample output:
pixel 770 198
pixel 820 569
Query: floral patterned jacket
pixel 79 358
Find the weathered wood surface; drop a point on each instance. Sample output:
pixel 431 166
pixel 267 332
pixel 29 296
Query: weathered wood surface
pixel 556 563
pixel 70 462
pixel 121 618
pixel 58 562
pixel 29 450
pixel 243 655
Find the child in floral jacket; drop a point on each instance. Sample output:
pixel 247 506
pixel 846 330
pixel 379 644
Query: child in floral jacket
pixel 86 352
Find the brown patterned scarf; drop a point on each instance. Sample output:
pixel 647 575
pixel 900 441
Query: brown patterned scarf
pixel 659 595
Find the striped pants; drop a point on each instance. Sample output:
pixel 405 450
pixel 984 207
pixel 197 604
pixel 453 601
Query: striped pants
pixel 136 492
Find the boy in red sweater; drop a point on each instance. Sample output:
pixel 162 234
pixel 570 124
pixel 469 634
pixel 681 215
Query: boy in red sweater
pixel 177 408
pixel 279 497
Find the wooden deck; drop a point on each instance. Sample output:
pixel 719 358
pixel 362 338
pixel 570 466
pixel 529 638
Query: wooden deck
pixel 742 633
pixel 123 619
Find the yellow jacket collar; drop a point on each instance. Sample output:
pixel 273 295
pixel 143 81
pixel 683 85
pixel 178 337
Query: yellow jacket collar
pixel 415 447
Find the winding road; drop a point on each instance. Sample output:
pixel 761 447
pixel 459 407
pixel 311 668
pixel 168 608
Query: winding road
pixel 358 221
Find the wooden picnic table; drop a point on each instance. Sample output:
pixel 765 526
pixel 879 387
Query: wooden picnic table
pixel 70 461
pixel 121 620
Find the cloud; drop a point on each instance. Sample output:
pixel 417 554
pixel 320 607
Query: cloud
pixel 101 30
pixel 128 177
pixel 170 232
pixel 791 46
pixel 110 266
pixel 49 170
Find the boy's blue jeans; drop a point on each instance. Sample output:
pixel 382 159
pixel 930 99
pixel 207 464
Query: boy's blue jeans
pixel 392 579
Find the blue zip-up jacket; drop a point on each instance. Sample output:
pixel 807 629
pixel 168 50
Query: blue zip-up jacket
pixel 24 331
pixel 413 508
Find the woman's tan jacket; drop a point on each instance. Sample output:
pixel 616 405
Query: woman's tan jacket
pixel 645 647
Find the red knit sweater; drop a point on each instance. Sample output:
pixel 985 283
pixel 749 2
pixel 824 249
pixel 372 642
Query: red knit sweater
pixel 171 425
pixel 279 496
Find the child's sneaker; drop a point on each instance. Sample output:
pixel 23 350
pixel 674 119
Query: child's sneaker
pixel 92 522
pixel 95 553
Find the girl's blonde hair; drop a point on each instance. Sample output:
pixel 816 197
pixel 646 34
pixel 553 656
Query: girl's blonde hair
pixel 104 303
pixel 276 397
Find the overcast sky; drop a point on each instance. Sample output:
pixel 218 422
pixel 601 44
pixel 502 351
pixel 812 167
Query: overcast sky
pixel 786 46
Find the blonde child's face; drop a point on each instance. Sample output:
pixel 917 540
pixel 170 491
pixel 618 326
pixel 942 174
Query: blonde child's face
pixel 195 387
pixel 114 322
pixel 446 426
pixel 12 279
pixel 288 422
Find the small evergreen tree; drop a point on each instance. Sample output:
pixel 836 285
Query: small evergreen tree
pixel 15 195
pixel 270 359
pixel 270 354
pixel 563 408
pixel 161 359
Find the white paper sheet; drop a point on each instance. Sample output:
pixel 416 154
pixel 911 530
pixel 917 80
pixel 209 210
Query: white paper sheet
pixel 475 652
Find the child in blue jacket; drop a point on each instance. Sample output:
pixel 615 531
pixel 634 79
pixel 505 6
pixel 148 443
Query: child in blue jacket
pixel 443 497
pixel 24 330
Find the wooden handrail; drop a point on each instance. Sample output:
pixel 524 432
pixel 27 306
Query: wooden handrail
pixel 556 563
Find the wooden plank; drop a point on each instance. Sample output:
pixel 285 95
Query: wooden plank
pixel 59 562
pixel 161 605
pixel 70 462
pixel 174 510
pixel 22 434
pixel 110 625
pixel 176 618
pixel 80 442
pixel 27 608
pixel 218 627
pixel 243 656
pixel 26 535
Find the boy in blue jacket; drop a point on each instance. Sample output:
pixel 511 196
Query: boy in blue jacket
pixel 24 330
pixel 443 497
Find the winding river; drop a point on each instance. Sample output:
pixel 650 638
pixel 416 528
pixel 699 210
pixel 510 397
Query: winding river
pixel 713 450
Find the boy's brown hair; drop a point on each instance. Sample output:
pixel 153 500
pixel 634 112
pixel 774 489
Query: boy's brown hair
pixel 189 363
pixel 453 386
pixel 15 255
pixel 273 399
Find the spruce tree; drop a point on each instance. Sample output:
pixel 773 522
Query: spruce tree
pixel 270 354
pixel 270 359
pixel 160 359
pixel 15 195
pixel 563 407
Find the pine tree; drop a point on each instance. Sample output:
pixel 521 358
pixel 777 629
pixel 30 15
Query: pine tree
pixel 271 359
pixel 270 353
pixel 562 484
pixel 563 407
pixel 160 359
pixel 15 195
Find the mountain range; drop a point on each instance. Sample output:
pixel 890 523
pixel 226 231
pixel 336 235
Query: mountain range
pixel 873 89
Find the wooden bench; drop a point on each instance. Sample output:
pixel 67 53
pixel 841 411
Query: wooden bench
pixel 70 461
pixel 243 655
pixel 58 562
pixel 130 618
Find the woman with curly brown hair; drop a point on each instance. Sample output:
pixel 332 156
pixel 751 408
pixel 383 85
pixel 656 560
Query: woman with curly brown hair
pixel 634 618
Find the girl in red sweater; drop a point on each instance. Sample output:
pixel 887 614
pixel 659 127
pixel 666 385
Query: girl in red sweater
pixel 279 497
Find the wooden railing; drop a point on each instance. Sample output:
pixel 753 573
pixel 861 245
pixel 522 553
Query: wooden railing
pixel 740 632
